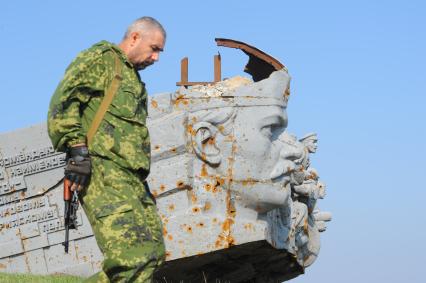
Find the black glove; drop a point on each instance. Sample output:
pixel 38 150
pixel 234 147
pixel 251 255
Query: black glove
pixel 79 167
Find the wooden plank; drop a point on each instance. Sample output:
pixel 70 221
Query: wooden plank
pixel 184 70
pixel 193 83
pixel 217 68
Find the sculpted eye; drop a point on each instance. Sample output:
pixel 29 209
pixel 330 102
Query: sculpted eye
pixel 272 126
pixel 272 131
pixel 267 131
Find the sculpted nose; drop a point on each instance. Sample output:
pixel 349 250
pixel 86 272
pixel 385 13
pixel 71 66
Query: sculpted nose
pixel 290 152
pixel 282 164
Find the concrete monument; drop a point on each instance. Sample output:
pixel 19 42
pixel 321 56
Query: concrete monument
pixel 235 191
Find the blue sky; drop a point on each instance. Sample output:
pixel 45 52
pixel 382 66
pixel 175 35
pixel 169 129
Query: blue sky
pixel 358 80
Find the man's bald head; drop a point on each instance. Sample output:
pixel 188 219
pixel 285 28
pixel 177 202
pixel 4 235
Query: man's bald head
pixel 144 40
pixel 143 25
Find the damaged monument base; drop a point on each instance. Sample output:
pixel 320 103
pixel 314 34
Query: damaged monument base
pixel 242 263
pixel 235 191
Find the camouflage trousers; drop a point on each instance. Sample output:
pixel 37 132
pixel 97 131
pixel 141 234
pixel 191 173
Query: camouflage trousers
pixel 125 222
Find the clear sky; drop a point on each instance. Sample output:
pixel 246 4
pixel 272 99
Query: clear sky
pixel 358 80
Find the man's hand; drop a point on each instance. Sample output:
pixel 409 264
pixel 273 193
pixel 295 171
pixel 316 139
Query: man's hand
pixel 79 167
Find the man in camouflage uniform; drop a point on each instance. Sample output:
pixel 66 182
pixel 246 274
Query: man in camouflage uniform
pixel 117 201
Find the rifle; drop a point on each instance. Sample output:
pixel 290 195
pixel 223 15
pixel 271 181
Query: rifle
pixel 70 211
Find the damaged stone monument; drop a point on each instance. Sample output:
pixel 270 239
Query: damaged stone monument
pixel 234 189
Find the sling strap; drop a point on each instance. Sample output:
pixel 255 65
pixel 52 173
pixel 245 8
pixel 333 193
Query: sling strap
pixel 109 96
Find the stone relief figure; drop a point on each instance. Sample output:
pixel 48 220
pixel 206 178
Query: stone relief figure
pixel 231 141
pixel 306 221
pixel 235 176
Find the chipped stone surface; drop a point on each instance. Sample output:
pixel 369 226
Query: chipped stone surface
pixel 221 88
pixel 235 190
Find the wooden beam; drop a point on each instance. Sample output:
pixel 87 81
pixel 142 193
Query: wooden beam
pixel 193 83
pixel 217 68
pixel 184 70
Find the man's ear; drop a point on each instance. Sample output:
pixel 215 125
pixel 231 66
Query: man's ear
pixel 204 143
pixel 134 36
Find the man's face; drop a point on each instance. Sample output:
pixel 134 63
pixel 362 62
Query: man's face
pixel 145 49
pixel 257 152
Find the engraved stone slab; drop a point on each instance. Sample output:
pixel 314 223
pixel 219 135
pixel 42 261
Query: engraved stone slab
pixel 31 206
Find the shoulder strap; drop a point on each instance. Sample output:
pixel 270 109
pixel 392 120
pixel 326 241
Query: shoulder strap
pixel 109 95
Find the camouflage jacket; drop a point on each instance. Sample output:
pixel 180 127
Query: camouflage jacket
pixel 122 136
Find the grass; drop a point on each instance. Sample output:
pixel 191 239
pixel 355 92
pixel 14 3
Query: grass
pixel 27 278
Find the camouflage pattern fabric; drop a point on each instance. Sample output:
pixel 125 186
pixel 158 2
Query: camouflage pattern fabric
pixel 122 135
pixel 125 223
pixel 122 213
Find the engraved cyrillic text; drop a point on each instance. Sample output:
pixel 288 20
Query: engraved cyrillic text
pixel 38 166
pixel 9 198
pixel 23 206
pixel 26 218
pixel 57 224
pixel 26 156
pixel 12 185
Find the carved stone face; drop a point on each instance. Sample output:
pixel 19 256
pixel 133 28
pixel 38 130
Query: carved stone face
pixel 215 156
pixel 257 152
pixel 239 142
